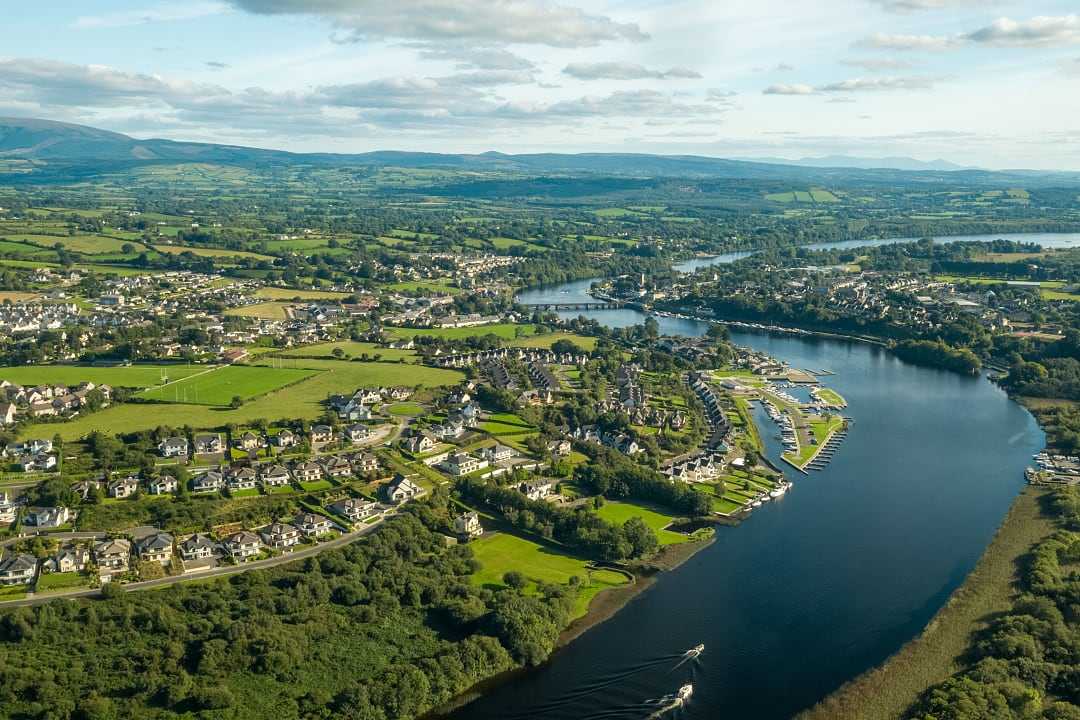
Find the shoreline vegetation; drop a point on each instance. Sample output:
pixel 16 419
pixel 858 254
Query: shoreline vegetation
pixel 891 689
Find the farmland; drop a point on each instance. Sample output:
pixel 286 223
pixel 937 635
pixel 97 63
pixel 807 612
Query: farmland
pixel 584 342
pixel 220 385
pixel 506 331
pixel 262 311
pixel 351 349
pixel 276 293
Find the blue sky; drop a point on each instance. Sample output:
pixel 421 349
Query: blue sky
pixel 978 82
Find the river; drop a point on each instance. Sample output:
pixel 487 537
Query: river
pixel 821 585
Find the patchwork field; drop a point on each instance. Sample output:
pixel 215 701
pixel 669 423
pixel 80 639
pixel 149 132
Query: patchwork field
pixel 547 340
pixel 275 293
pixel 351 349
pixel 502 553
pixel 221 385
pixel 262 311
pixel 136 376
pixel 211 252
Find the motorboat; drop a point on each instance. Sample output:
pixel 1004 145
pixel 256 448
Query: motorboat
pixel 685 692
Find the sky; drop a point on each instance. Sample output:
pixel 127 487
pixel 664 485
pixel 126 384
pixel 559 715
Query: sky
pixel 988 83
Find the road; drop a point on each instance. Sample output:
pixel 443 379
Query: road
pixel 218 572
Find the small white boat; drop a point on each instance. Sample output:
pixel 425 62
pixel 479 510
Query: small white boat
pixel 685 692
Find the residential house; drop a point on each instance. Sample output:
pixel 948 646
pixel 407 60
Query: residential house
pixel 112 556
pixel 18 569
pixel 460 464
pixel 48 517
pixel 280 535
pixel 307 472
pixel 366 463
pixel 208 444
pixel 249 441
pixel 321 434
pixel 156 547
pixel 402 489
pixel 537 489
pixel 163 485
pixel 498 453
pixel 468 525
pixel 123 488
pixel 7 413
pixel 275 476
pixel 173 447
pixel 419 443
pixel 7 508
pixel 285 439
pixel 337 467
pixel 210 481
pixel 243 545
pixel 356 509
pixel 68 559
pixel 241 478
pixel 312 525
pixel 198 547
pixel 357 433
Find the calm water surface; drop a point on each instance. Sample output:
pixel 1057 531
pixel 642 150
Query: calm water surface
pixel 824 583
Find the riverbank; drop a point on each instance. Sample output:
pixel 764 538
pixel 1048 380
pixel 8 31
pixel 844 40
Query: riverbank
pixel 889 690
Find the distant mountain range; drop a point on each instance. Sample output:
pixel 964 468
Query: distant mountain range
pixel 62 150
pixel 865 163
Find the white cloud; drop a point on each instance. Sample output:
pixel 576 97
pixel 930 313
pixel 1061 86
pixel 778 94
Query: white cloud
pixel 877 64
pixel 905 6
pixel 160 13
pixel 1041 31
pixel 536 22
pixel 626 71
pixel 855 85
pixel 480 58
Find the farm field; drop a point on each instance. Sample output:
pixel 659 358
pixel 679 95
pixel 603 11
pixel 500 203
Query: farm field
pixel 88 244
pixel 351 349
pixel 303 400
pixel 211 252
pixel 270 310
pixel 137 376
pixel 547 340
pixel 506 331
pixel 619 512
pixel 219 386
pixel 423 286
pixel 502 553
pixel 276 293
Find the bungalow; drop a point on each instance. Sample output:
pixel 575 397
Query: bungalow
pixel 210 481
pixel 460 464
pixel 356 509
pixel 156 547
pixel 112 555
pixel 208 444
pixel 173 447
pixel 241 479
pixel 123 488
pixel 48 517
pixel 243 545
pixel 307 472
pixel 468 525
pixel 498 453
pixel 198 547
pixel 275 476
pixel 401 489
pixel 280 535
pixel 312 525
pixel 285 439
pixel 357 433
pixel 18 569
pixel 163 485
pixel 321 434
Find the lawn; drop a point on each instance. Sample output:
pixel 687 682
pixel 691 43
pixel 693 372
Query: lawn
pixel 276 293
pixel 502 424
pixel 263 311
pixel 221 385
pixel 501 553
pixel 423 286
pixel 407 409
pixel 301 401
pixel 136 376
pixel 351 349
pixel 211 252
pixel 620 512
pixel 831 397
pixel 547 340
pixel 506 331
pixel 56 582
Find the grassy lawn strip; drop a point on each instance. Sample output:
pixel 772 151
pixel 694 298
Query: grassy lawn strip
pixel 218 387
pixel 546 341
pixel 505 331
pixel 500 553
pixel 619 512
pixel 56 582
pixel 135 376
pixel 886 692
